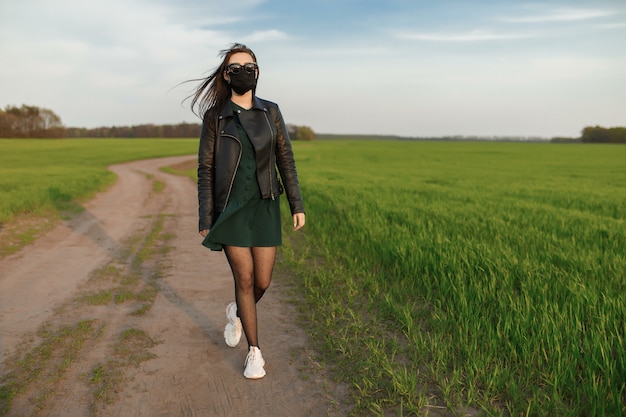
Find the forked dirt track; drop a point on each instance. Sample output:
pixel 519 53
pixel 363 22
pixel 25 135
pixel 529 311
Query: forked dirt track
pixel 186 368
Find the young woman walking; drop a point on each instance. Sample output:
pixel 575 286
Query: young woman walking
pixel 245 162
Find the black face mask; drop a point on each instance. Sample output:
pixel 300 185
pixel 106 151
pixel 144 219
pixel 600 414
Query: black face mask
pixel 242 82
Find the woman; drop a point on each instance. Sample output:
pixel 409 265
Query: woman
pixel 243 144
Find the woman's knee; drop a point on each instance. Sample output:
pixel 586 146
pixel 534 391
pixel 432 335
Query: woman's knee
pixel 262 285
pixel 245 282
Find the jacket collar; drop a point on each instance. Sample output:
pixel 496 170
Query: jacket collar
pixel 257 104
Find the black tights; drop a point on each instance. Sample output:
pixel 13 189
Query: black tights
pixel 252 270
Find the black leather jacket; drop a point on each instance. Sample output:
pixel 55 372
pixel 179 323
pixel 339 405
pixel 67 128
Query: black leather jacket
pixel 219 154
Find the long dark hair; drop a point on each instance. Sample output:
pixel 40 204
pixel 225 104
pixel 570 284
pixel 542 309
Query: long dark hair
pixel 214 91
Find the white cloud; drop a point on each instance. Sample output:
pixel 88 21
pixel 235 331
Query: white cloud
pixel 477 35
pixel 266 36
pixel 617 25
pixel 564 15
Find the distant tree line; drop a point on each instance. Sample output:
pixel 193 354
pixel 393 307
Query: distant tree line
pixel 599 134
pixel 34 122
pixel 30 122
pixel 181 130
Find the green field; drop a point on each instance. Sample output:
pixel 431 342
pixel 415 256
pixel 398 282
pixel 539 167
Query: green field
pixel 46 177
pixel 464 276
pixel 37 174
pixel 489 275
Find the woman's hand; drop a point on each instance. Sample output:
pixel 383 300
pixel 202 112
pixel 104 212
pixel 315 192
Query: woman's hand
pixel 203 233
pixel 298 221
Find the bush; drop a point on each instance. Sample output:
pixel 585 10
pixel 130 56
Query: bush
pixel 304 133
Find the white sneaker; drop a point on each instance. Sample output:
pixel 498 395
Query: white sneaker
pixel 232 332
pixel 254 364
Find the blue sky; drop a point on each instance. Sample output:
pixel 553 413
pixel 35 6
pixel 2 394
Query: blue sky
pixel 404 67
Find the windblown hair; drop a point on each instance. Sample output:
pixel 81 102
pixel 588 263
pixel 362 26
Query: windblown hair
pixel 213 92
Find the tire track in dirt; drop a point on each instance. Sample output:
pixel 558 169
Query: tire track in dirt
pixel 189 370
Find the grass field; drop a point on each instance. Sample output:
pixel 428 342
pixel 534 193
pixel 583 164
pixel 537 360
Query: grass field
pixel 482 275
pixel 36 174
pixel 464 276
pixel 42 177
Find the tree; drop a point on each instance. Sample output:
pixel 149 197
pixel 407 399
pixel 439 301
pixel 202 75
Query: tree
pixel 7 124
pixel 30 122
pixel 304 133
pixel 599 134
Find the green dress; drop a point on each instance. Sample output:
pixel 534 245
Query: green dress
pixel 248 220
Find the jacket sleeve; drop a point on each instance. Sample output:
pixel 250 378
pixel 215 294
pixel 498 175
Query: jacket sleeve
pixel 287 165
pixel 206 158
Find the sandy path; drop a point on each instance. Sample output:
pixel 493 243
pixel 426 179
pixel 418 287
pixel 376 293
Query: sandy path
pixel 192 372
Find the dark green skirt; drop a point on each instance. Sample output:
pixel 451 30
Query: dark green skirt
pixel 249 224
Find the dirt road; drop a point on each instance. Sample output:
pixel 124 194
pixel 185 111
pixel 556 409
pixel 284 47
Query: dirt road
pixel 119 311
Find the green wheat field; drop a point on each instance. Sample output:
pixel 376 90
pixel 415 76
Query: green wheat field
pixel 433 277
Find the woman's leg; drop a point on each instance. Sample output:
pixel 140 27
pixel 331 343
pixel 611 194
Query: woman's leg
pixel 264 259
pixel 252 271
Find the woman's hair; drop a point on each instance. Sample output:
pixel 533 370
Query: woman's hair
pixel 214 91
